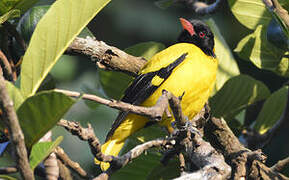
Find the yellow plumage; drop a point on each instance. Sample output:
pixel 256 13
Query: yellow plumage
pixel 195 76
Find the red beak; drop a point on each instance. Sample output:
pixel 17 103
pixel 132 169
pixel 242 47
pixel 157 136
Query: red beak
pixel 187 26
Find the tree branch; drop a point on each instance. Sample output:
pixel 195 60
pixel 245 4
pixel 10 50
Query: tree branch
pixel 8 170
pixel 7 66
pixel 280 165
pixel 16 135
pixel 107 57
pixel 71 164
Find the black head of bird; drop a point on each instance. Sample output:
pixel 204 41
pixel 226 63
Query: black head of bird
pixel 198 33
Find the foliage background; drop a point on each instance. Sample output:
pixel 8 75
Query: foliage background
pixel 124 23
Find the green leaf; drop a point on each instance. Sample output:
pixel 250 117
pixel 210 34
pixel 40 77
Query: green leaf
pixel 164 4
pixel 53 34
pixel 39 113
pixel 236 94
pixel 259 51
pixel 41 150
pixel 7 5
pixel 9 15
pixel 14 94
pixel 272 110
pixel 114 83
pixel 227 67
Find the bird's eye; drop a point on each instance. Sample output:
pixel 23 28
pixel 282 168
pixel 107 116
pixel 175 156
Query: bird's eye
pixel 201 34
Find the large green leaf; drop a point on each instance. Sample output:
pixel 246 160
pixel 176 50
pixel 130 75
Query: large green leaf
pixel 22 5
pixel 237 94
pixel 272 110
pixel 14 94
pixel 39 113
pixel 259 51
pixel 114 83
pixel 41 150
pixel 53 34
pixel 250 13
pixel 227 64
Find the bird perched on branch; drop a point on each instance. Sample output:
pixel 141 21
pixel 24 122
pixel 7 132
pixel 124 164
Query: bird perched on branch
pixel 186 69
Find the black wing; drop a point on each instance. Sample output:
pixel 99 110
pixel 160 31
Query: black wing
pixel 142 88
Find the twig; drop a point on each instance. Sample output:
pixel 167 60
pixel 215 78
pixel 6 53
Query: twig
pixel 202 8
pixel 8 170
pixel 7 66
pixel 119 162
pixel 273 5
pixel 71 164
pixel 182 162
pixel 108 57
pixel 64 172
pixel 154 112
pixel 280 165
pixel 16 135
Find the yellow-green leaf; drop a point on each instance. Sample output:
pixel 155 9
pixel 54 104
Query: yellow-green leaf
pixel 14 94
pixel 53 34
pixel 272 110
pixel 259 51
pixel 41 150
pixel 9 15
pixel 236 94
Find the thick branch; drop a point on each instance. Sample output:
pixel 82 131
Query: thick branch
pixel 16 135
pixel 7 66
pixel 108 57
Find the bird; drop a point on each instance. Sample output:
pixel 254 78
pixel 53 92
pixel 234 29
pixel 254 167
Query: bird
pixel 187 68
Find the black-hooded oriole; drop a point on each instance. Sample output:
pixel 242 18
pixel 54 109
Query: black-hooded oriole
pixel 187 68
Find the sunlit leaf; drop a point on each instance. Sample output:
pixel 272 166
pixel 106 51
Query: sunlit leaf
pixel 53 34
pixel 227 64
pixel 259 51
pixel 22 5
pixel 236 94
pixel 272 110
pixel 39 113
pixel 41 150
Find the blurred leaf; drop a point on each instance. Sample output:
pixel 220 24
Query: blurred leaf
pixel 143 135
pixel 29 20
pixel 164 4
pixel 272 110
pixel 41 150
pixel 53 34
pixel 39 113
pixel 259 51
pixel 145 49
pixel 9 15
pixel 237 94
pixel 140 167
pixel 14 94
pixel 170 171
pixel 22 5
pixel 6 177
pixel 276 35
pixel 227 64
pixel 250 13
pixel 65 69
pixel 115 83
